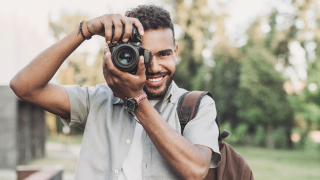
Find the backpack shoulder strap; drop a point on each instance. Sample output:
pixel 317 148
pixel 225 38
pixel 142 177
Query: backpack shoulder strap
pixel 189 103
pixel 188 107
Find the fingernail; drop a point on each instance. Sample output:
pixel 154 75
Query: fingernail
pixel 142 32
pixel 114 42
pixel 125 39
pixel 108 42
pixel 108 53
pixel 105 47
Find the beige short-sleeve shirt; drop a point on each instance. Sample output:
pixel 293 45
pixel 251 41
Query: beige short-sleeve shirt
pixel 109 131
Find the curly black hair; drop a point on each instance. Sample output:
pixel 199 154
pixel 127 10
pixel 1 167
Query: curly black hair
pixel 152 17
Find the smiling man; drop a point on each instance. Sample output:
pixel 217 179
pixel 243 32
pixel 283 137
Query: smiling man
pixel 161 72
pixel 140 142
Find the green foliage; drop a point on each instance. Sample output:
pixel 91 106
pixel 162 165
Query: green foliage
pixel 194 20
pixel 261 98
pixel 280 137
pixel 309 145
pixel 311 112
pixel 224 84
pixel 259 138
pixel 247 89
pixel 238 135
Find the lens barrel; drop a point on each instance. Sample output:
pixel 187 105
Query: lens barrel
pixel 125 57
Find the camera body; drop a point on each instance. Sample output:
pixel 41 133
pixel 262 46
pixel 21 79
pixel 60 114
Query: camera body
pixel 125 55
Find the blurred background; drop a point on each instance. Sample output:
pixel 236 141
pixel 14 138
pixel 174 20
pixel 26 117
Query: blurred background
pixel 259 58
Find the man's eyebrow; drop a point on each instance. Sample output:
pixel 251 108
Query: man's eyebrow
pixel 164 51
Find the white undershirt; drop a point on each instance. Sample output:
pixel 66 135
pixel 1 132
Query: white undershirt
pixel 131 168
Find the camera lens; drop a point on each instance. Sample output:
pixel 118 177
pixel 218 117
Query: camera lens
pixel 125 57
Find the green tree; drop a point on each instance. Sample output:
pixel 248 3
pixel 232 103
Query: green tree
pixel 300 25
pixel 219 72
pixel 261 99
pixel 224 82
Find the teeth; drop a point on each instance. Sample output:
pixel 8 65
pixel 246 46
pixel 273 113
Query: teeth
pixel 154 79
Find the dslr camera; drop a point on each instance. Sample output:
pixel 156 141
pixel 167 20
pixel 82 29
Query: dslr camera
pixel 125 55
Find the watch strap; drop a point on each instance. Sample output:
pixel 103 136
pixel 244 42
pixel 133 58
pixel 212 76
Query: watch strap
pixel 140 97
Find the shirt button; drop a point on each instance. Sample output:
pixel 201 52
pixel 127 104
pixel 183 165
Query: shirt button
pixel 128 141
pixel 116 171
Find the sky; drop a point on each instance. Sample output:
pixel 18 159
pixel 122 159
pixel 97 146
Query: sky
pixel 242 12
pixel 93 8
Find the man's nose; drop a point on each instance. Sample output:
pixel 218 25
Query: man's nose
pixel 154 66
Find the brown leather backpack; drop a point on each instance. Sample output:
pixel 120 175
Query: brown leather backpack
pixel 232 165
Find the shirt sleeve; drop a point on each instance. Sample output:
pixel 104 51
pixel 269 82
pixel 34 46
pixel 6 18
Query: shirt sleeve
pixel 79 105
pixel 203 129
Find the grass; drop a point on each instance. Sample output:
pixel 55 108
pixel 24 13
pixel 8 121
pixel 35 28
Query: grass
pixel 68 164
pixel 61 138
pixel 275 164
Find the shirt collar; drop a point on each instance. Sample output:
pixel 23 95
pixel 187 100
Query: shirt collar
pixel 174 92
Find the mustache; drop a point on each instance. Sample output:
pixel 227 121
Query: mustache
pixel 158 74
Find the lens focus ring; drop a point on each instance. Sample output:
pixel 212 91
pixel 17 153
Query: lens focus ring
pixel 125 57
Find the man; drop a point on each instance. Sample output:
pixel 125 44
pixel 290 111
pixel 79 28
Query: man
pixel 118 144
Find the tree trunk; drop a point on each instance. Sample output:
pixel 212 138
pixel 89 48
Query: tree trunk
pixel 289 141
pixel 269 139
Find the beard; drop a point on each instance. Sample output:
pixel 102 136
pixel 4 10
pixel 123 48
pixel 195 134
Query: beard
pixel 153 93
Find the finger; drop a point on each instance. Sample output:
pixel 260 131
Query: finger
pixel 107 74
pixel 111 68
pixel 105 59
pixel 128 27
pixel 107 29
pixel 138 24
pixel 118 28
pixel 105 50
pixel 141 67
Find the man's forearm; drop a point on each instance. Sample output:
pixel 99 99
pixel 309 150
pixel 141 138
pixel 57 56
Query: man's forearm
pixel 185 158
pixel 40 71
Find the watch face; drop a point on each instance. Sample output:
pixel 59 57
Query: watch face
pixel 130 104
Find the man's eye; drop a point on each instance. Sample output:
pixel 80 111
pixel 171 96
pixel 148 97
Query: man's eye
pixel 165 54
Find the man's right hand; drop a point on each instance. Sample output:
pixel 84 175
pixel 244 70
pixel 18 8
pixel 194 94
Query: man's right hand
pixel 103 26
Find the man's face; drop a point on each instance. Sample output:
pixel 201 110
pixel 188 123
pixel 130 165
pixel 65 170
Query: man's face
pixel 161 71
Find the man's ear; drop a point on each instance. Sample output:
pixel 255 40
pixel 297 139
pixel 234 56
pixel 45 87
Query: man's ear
pixel 176 47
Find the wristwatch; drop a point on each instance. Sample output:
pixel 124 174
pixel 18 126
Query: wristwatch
pixel 132 103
